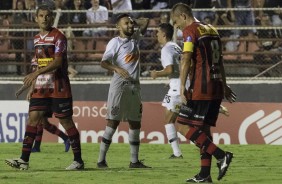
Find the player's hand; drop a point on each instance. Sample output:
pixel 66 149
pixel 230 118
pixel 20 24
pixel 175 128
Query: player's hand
pixel 153 74
pixel 20 91
pixel 124 73
pixel 182 95
pixel 28 95
pixel 223 110
pixel 229 94
pixel 30 78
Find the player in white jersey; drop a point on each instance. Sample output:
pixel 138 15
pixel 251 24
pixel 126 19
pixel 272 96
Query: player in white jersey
pixel 124 101
pixel 170 58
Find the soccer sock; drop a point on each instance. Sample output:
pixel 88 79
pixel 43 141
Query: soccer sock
pixel 172 138
pixel 201 140
pixel 38 137
pixel 54 130
pixel 206 159
pixel 205 164
pixel 75 143
pixel 134 141
pixel 29 137
pixel 105 143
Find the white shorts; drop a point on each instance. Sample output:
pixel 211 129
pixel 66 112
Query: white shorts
pixel 125 104
pixel 172 99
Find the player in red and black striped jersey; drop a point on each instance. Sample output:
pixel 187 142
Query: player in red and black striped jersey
pixel 202 61
pixel 51 89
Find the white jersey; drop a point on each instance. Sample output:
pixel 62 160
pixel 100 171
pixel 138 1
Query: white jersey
pixel 124 52
pixel 170 55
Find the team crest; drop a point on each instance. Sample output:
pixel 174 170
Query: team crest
pixel 115 111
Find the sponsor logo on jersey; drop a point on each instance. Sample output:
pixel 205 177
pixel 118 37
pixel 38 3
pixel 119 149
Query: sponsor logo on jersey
pixel 49 38
pixel 189 39
pixel 44 61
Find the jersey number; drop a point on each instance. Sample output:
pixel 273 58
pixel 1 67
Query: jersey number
pixel 215 51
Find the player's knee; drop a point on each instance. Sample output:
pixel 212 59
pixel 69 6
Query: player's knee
pixel 113 124
pixel 183 129
pixel 67 123
pixel 134 124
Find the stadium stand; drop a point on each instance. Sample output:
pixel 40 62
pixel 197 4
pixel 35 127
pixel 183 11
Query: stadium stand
pixel 240 60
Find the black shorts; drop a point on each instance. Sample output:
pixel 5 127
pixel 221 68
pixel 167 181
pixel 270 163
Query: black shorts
pixel 199 112
pixel 61 107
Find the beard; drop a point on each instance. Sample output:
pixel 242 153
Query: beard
pixel 128 32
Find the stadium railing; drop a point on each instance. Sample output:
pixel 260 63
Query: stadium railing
pixel 241 62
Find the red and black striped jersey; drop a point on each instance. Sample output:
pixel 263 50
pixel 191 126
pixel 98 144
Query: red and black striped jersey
pixel 204 42
pixel 54 84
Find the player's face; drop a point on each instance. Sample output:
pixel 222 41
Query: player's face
pixel 160 36
pixel 44 19
pixel 126 26
pixel 178 21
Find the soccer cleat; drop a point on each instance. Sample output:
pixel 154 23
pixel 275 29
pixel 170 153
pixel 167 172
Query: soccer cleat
pixel 17 163
pixel 76 166
pixel 199 179
pixel 138 164
pixel 34 150
pixel 223 164
pixel 67 145
pixel 102 165
pixel 175 157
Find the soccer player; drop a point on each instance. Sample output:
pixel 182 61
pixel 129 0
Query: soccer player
pixel 45 124
pixel 52 89
pixel 202 61
pixel 170 58
pixel 124 101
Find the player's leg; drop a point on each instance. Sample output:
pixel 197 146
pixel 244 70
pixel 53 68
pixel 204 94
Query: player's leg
pixel 134 141
pixel 38 138
pixel 64 114
pixel 171 133
pixel 106 142
pixel 198 136
pixel 36 114
pixel 22 163
pixel 56 131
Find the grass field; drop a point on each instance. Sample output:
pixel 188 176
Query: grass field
pixel 251 164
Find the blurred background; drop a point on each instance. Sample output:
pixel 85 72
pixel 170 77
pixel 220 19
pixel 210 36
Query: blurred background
pixel 250 30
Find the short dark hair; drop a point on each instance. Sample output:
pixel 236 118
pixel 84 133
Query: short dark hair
pixel 167 28
pixel 182 8
pixel 44 7
pixel 121 16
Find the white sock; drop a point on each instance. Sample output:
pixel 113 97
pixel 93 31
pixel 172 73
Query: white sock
pixel 105 143
pixel 173 138
pixel 134 141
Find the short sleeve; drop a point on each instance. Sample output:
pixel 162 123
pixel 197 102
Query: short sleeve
pixel 166 57
pixel 60 45
pixel 110 50
pixel 188 40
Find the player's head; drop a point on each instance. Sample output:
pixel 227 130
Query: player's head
pixel 44 17
pixel 181 15
pixel 125 25
pixel 164 33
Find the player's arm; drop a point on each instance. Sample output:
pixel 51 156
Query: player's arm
pixel 109 66
pixel 162 73
pixel 185 66
pixel 60 49
pixel 25 87
pixel 57 63
pixel 228 93
pixel 142 23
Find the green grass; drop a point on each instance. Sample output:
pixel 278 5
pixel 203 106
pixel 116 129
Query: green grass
pixel 251 164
